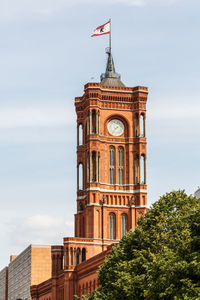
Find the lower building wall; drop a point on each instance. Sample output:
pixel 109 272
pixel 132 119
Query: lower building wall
pixel 19 276
pixel 32 266
pixel 47 296
pixel 40 264
pixel 3 283
pixel 42 291
pixel 87 284
pixel 72 280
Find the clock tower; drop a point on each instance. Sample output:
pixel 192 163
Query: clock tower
pixel 111 183
pixel 111 158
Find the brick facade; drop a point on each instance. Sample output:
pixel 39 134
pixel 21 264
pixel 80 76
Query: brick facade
pixel 111 186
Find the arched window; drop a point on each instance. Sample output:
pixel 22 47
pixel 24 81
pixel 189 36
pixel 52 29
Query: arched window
pixel 83 290
pixel 61 262
pixel 72 256
pixel 94 121
pixel 120 165
pixel 123 224
pixel 111 165
pixel 83 258
pixel 78 256
pixel 80 134
pixel 142 169
pixel 136 126
pixel 88 123
pixel 112 226
pixel 80 177
pixel 90 287
pixel 94 164
pixel 88 168
pixel 137 169
pixel 142 125
pixel 94 285
pixel 80 206
pixel 86 290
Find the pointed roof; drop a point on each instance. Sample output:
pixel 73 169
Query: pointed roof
pixel 110 77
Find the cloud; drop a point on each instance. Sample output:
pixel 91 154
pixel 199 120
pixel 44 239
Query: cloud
pixel 37 229
pixel 145 2
pixel 11 9
pixel 38 124
pixel 64 115
pixel 42 222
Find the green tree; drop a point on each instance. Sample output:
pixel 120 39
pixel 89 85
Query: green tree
pixel 160 259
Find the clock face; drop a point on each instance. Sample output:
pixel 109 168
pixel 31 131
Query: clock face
pixel 115 127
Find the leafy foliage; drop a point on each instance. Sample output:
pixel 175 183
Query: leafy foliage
pixel 160 259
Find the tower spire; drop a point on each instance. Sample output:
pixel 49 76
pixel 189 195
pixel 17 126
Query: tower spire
pixel 110 67
pixel 110 77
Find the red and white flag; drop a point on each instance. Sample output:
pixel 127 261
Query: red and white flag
pixel 103 29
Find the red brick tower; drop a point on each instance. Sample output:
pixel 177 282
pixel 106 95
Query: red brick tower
pixel 111 157
pixel 111 183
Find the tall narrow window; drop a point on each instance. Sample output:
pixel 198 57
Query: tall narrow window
pixel 120 165
pixel 111 165
pixel 94 123
pixel 72 256
pixel 137 169
pixel 136 126
pixel 88 123
pixel 80 177
pixel 78 256
pixel 142 169
pixel 142 126
pixel 88 168
pixel 98 171
pixel 83 258
pixel 80 134
pixel 94 173
pixel 123 224
pixel 112 227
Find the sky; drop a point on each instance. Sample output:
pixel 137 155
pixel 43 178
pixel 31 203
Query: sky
pixel 46 57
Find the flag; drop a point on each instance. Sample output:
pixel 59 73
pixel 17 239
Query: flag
pixel 103 29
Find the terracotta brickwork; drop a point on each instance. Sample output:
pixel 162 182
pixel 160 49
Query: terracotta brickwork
pixel 97 198
pixel 111 186
pixel 44 290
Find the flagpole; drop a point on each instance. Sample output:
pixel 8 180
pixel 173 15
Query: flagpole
pixel 110 37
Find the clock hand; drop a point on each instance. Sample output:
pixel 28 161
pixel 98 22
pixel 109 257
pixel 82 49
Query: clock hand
pixel 115 129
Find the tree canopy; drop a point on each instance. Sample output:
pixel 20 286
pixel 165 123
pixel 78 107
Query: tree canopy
pixel 160 259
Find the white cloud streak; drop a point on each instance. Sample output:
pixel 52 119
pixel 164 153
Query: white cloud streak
pixel 11 9
pixel 41 116
pixel 37 229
